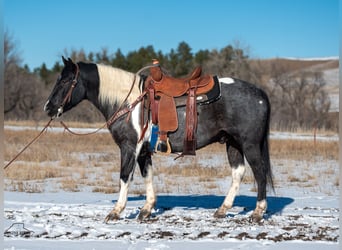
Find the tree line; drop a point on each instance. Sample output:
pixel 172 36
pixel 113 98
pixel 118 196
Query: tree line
pixel 298 100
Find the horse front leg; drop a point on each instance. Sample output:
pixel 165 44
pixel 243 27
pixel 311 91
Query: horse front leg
pixel 145 164
pixel 121 202
pixel 145 212
pixel 128 162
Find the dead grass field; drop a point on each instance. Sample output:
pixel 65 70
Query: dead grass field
pixel 72 163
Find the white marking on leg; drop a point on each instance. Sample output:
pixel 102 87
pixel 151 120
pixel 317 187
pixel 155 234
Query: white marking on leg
pixel 145 212
pixel 262 204
pixel 237 175
pixel 150 195
pixel 122 200
pixel 261 207
pixel 259 211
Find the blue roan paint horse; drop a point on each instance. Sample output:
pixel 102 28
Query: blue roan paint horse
pixel 239 119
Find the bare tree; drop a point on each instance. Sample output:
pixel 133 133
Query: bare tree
pixel 299 101
pixel 11 54
pixel 22 98
pixel 11 60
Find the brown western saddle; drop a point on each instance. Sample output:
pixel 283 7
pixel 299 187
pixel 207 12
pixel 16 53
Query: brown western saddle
pixel 162 91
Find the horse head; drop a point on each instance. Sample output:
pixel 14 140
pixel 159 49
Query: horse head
pixel 67 92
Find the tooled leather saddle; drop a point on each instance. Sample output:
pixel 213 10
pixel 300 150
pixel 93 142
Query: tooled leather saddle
pixel 164 92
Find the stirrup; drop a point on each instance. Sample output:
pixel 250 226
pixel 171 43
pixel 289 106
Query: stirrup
pixel 164 146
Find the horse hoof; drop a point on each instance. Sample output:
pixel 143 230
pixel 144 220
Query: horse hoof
pixel 257 218
pixel 144 214
pixel 112 216
pixel 219 214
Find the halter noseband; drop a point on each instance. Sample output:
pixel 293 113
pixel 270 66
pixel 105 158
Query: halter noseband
pixel 67 98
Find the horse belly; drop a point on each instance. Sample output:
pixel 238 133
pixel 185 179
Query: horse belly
pixel 210 119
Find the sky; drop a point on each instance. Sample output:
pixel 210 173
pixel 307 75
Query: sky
pixel 44 29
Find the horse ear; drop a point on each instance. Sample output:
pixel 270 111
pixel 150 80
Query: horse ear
pixel 64 61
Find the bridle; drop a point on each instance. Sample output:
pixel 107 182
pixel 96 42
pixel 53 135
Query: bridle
pixel 67 98
pixel 121 111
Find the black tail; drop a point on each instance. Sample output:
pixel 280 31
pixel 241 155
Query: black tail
pixel 267 163
pixel 265 153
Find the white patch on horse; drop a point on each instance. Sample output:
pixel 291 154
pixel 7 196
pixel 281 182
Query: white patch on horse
pixel 122 200
pixel 237 175
pixel 115 85
pixel 135 118
pixel 260 208
pixel 226 80
pixel 262 205
pixel 150 195
pixel 148 132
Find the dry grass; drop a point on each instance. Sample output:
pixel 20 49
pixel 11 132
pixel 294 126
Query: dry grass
pixel 53 146
pixel 303 150
pixel 74 162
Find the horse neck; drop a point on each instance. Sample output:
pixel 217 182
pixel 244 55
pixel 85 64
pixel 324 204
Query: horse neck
pixel 107 88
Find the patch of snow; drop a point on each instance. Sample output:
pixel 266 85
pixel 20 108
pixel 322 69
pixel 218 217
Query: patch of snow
pixel 299 136
pixel 326 58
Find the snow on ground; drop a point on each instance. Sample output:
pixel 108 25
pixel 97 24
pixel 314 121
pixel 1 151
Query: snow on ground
pixel 301 214
pixel 296 219
pixel 186 221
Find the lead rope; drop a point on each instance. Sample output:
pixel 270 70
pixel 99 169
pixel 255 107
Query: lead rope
pixel 34 139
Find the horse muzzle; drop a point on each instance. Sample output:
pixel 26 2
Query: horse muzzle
pixel 52 112
pixel 59 112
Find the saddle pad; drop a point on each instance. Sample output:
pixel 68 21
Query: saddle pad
pixel 213 95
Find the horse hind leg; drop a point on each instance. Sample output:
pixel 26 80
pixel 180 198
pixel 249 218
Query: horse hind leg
pixel 236 161
pixel 261 171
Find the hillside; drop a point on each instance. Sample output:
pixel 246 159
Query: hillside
pixel 328 66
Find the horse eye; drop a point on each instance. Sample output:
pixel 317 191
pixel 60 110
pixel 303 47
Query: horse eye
pixel 64 81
